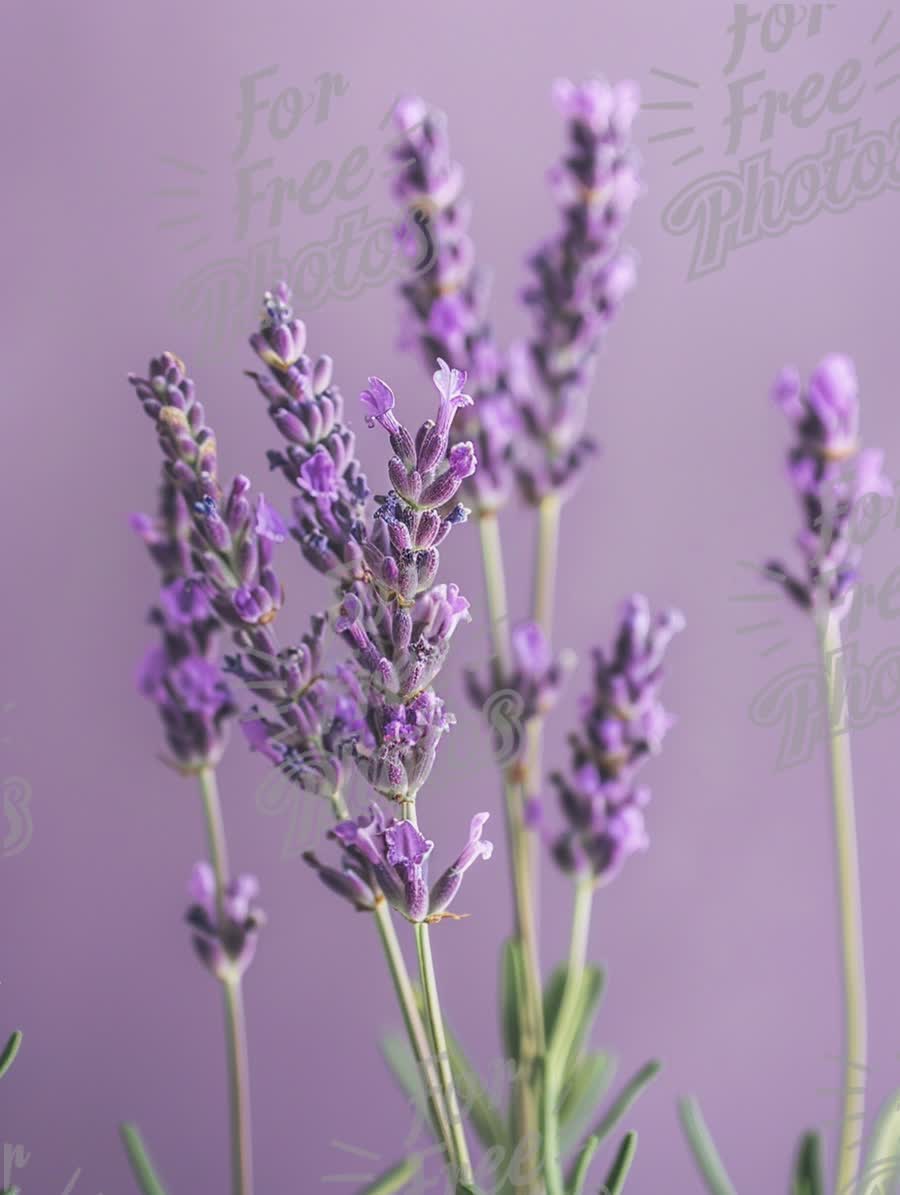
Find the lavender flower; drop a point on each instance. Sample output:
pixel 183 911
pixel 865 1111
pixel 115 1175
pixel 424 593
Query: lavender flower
pixel 391 858
pixel 831 476
pixel 225 940
pixel 581 278
pixel 319 458
pixel 180 674
pixel 622 724
pixel 447 301
pixel 230 545
pixel 232 537
pixel 537 678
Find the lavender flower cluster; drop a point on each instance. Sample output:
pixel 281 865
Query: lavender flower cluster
pixel 180 674
pixel 581 277
pixel 622 724
pixel 831 476
pixel 447 303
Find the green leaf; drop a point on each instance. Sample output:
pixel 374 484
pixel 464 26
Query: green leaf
pixel 512 998
pixel 618 1172
pixel 9 1052
pixel 141 1167
pixel 476 1103
pixel 581 1094
pixel 703 1148
pixel 883 1157
pixel 617 1110
pixel 394 1179
pixel 808 1177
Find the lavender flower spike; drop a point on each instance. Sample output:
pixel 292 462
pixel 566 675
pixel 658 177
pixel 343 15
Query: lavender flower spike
pixel 391 857
pixel 225 947
pixel 180 674
pixel 622 724
pixel 448 299
pixel 832 476
pixel 581 278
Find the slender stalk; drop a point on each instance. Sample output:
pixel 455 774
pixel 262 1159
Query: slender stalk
pixel 522 870
pixel 545 564
pixel 215 831
pixel 418 1038
pixel 850 906
pixel 239 1087
pixel 235 1026
pixel 439 1041
pixel 563 1031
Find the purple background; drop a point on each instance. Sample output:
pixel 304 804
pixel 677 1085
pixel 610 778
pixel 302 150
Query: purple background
pixel 721 941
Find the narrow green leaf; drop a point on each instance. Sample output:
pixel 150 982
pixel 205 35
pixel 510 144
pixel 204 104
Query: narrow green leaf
pixel 553 994
pixel 141 1167
pixel 617 1110
pixel 626 1098
pixel 581 1094
pixel 808 1178
pixel 618 1172
pixel 575 1182
pixel 402 1064
pixel 9 1052
pixel 703 1148
pixel 883 1157
pixel 511 996
pixel 476 1103
pixel 396 1178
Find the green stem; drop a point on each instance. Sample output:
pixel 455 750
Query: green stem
pixel 439 1041
pixel 239 1085
pixel 522 870
pixel 563 1033
pixel 235 1026
pixel 850 911
pixel 545 565
pixel 418 1038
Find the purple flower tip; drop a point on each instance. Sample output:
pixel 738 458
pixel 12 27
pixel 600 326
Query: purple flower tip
pixel 378 400
pixel 530 648
pixel 269 523
pixel 318 474
pixel 463 461
pixel 450 384
pixel 406 845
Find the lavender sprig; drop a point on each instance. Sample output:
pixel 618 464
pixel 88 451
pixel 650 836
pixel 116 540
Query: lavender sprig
pixel 447 302
pixel 581 278
pixel 832 476
pixel 623 723
pixel 181 674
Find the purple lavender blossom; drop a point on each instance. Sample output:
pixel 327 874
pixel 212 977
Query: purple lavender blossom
pixel 232 535
pixel 180 674
pixel 225 946
pixel 319 456
pixel 537 678
pixel 228 543
pixel 391 857
pixel 581 278
pixel 447 301
pixel 622 724
pixel 832 476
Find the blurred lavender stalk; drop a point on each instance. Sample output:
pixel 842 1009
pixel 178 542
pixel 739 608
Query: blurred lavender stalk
pixel 183 679
pixel 831 476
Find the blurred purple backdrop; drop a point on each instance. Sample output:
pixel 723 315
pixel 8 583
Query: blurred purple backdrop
pixel 721 941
